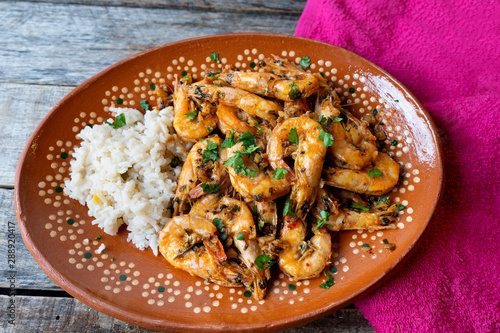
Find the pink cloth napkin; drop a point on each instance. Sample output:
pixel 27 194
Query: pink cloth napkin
pixel 447 53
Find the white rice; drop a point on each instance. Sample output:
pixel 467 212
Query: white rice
pixel 124 175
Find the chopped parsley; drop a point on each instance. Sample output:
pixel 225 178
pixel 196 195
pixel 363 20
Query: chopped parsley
pixel 360 207
pixel 120 121
pixel 210 188
pixel 247 138
pixel 329 281
pixel 280 173
pixel 215 57
pixel 240 236
pixel 249 150
pixel 145 105
pixel 383 199
pixel 211 153
pixel 305 62
pixel 287 209
pixel 97 237
pixel 236 208
pixel 264 261
pixel 260 131
pixel 400 207
pixel 213 75
pixel 294 92
pixel 375 172
pixel 210 128
pixel 324 218
pixel 191 115
pixel 218 223
pixel 293 137
pixel 238 165
pixel 229 142
pixel 326 137
pixel 175 162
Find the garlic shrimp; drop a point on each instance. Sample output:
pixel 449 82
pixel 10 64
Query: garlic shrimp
pixel 307 150
pixel 301 259
pixel 190 243
pixel 191 122
pixel 239 227
pixel 376 179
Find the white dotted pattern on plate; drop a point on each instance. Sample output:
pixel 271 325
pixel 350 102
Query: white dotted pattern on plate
pixel 160 289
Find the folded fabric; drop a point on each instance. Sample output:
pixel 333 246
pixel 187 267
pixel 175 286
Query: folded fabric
pixel 448 54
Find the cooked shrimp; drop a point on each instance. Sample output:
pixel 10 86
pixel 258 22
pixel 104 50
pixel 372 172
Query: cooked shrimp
pixel 264 186
pixel 379 217
pixel 375 219
pixel 360 181
pixel 241 231
pixel 354 146
pixel 266 215
pixel 301 259
pixel 309 155
pixel 190 243
pixel 295 108
pixel 195 172
pixel 228 120
pixel 203 121
pixel 284 80
pixel 248 102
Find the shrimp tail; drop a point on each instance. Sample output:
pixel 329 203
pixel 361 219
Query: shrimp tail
pixel 215 248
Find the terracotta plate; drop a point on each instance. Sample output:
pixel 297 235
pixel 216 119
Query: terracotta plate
pixel 142 289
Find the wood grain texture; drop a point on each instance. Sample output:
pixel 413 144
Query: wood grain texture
pixel 59 44
pixel 22 107
pixel 53 314
pixel 244 6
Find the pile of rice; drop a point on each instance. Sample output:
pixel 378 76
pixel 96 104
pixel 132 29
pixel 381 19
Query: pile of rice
pixel 124 175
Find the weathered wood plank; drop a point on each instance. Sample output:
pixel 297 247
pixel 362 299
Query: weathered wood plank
pixel 22 107
pixel 60 44
pixel 53 314
pixel 28 274
pixel 276 6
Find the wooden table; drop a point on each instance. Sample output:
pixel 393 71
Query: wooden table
pixel 49 47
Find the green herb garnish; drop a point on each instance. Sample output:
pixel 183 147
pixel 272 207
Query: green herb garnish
pixel 329 281
pixel 375 172
pixel 236 208
pixel 247 138
pixel 358 206
pixel 145 105
pixel 383 199
pixel 264 261
pixel 305 62
pixel 215 57
pixel 97 237
pixel 213 75
pixel 240 236
pixel 326 137
pixel 237 163
pixel 294 92
pixel 210 188
pixel 175 162
pixel 293 137
pixel 210 128
pixel 260 131
pixel 280 173
pixel 120 121
pixel 324 218
pixel 191 115
pixel 229 142
pixel 400 207
pixel 218 223
pixel 211 153
pixel 287 209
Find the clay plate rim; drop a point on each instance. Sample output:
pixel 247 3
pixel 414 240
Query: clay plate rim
pixel 109 308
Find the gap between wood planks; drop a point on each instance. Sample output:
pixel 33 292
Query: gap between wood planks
pixel 288 7
pixel 36 292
